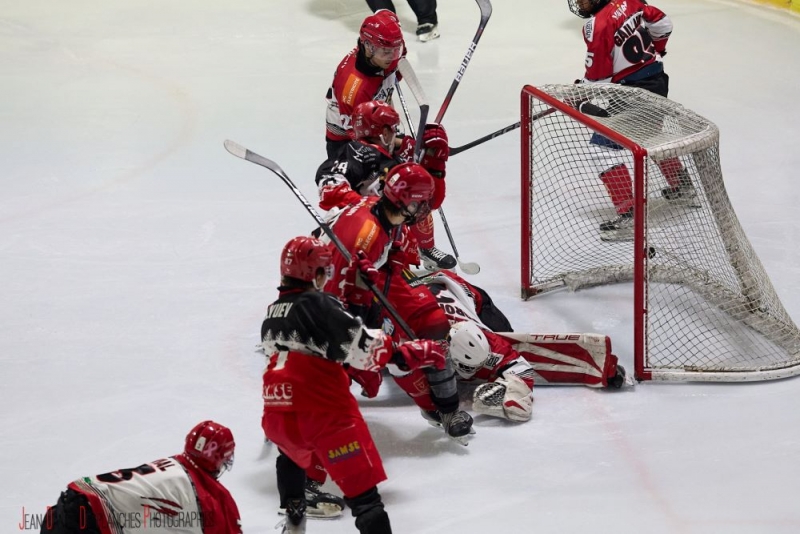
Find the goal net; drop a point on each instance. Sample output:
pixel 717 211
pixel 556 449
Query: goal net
pixel 704 308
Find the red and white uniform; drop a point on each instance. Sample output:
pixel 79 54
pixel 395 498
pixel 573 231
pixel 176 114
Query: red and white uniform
pixel 355 81
pixel 580 359
pixel 167 496
pixel 624 37
pixel 361 227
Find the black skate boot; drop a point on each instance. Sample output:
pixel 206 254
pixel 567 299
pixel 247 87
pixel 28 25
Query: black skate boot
pixel 619 378
pixel 434 259
pixel 619 229
pixel 321 505
pixel 295 522
pixel 683 193
pixel 432 417
pixel 427 32
pixel 457 425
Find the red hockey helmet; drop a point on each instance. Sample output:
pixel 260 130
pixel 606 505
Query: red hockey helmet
pixel 410 187
pixel 370 117
pixel 382 32
pixel 210 445
pixel 302 256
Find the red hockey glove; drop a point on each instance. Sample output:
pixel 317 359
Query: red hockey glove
pixel 406 150
pixel 370 381
pixel 436 149
pixel 423 353
pixel 404 251
pixel 354 290
pixel 337 196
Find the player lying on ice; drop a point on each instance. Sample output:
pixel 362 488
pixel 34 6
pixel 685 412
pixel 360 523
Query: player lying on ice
pixel 360 167
pixel 485 350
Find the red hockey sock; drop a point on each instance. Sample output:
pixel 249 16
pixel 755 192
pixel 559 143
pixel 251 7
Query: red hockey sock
pixel 619 186
pixel 671 168
pixel 416 385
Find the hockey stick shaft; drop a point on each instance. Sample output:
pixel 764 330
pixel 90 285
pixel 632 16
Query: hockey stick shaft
pixel 419 94
pixel 243 153
pixel 498 133
pixel 404 105
pixel 486 12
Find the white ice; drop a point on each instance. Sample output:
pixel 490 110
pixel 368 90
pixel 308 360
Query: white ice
pixel 138 257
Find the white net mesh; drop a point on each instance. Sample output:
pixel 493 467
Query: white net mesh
pixel 712 311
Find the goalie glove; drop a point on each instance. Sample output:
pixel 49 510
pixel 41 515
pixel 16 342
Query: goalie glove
pixel 509 398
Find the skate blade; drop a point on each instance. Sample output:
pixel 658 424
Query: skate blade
pixel 321 511
pixel 616 235
pixel 463 440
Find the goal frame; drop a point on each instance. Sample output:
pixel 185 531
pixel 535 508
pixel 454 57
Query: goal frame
pixel 640 246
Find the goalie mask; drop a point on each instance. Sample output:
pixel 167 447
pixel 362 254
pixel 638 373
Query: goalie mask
pixel 586 8
pixel 469 348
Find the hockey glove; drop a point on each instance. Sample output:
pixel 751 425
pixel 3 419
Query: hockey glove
pixel 587 108
pixel 421 353
pixel 354 290
pixel 509 398
pixel 406 150
pixel 405 251
pixel 370 381
pixel 436 150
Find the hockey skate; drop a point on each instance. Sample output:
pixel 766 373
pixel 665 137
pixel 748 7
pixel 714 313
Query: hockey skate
pixel 295 521
pixel 683 193
pixel 457 425
pixel 319 504
pixel 434 259
pixel 619 229
pixel 427 32
pixel 619 378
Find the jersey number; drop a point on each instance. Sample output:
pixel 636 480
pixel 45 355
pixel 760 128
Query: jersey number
pixel 638 47
pixel 125 474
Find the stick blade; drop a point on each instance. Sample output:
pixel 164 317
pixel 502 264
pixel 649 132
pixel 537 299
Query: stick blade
pixel 235 148
pixel 469 267
pixel 486 9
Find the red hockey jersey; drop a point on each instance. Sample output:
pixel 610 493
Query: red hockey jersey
pixel 355 82
pixel 622 38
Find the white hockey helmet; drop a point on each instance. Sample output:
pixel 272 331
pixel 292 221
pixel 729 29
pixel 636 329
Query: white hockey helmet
pixel 469 348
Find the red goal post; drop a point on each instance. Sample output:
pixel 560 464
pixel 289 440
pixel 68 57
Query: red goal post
pixel 703 306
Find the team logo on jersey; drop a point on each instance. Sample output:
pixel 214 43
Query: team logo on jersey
pixel 278 394
pixel 344 452
pixel 351 89
pixel 588 29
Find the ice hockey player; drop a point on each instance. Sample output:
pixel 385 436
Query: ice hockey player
pixel 372 232
pixel 309 411
pixel 368 72
pixel 483 346
pixel 360 167
pixel 174 494
pixel 626 42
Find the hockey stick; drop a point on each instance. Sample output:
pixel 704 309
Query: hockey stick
pixel 241 152
pixel 486 12
pixel 405 111
pixel 480 141
pixel 498 133
pixel 416 88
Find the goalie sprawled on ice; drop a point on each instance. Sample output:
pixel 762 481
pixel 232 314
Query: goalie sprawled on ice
pixel 484 348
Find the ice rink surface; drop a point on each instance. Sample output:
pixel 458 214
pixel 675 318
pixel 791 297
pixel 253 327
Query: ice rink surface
pixel 137 258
